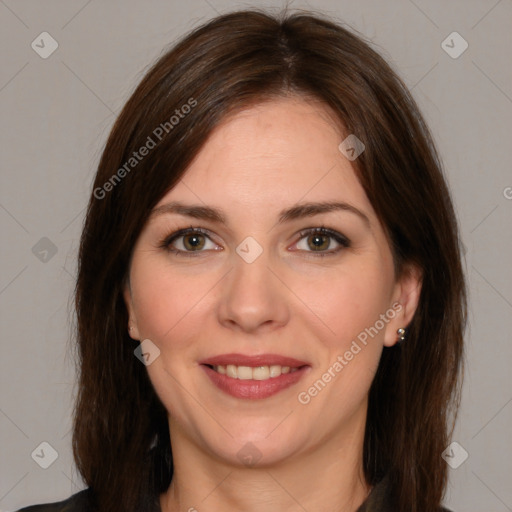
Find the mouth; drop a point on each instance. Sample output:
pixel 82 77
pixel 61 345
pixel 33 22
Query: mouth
pixel 253 373
pixel 254 377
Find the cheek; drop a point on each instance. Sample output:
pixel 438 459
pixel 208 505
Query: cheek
pixel 349 301
pixel 164 300
pixel 349 305
pixel 168 308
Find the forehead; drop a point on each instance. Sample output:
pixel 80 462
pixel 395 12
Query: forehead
pixel 270 155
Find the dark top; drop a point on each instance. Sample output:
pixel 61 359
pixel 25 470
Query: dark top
pixel 79 502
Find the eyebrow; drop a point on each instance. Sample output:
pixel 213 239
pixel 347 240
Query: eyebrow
pixel 297 211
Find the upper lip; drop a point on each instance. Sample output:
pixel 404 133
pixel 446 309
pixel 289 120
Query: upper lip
pixel 256 360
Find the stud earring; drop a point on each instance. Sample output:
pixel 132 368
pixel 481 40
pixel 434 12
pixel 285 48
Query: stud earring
pixel 401 334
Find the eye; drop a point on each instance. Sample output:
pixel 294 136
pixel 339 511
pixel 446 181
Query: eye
pixel 319 240
pixel 188 241
pixel 193 241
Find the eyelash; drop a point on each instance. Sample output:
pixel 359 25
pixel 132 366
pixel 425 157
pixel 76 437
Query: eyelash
pixel 338 237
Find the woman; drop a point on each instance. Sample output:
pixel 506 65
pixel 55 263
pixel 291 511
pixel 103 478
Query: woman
pixel 270 297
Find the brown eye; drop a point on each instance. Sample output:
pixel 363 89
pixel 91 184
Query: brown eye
pixel 186 242
pixel 318 242
pixel 193 241
pixel 322 241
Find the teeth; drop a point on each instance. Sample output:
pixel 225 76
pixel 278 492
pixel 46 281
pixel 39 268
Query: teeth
pixel 256 373
pixel 243 372
pixel 275 370
pixel 231 371
pixel 260 373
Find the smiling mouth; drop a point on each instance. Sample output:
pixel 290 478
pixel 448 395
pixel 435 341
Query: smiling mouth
pixel 253 373
pixel 254 382
pixel 254 376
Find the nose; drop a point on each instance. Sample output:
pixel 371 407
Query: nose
pixel 253 299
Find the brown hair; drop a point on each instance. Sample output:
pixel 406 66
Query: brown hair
pixel 121 438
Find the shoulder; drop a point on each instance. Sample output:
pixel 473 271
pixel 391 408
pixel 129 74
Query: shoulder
pixel 79 502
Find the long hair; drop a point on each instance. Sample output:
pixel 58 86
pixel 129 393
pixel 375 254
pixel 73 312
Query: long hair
pixel 121 439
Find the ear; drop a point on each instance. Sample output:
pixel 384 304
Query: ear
pixel 132 327
pixel 406 296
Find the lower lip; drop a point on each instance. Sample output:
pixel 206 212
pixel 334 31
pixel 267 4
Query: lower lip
pixel 254 389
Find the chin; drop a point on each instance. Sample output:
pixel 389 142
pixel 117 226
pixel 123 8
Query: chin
pixel 264 446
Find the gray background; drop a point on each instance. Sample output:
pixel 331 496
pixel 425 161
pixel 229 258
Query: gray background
pixel 56 114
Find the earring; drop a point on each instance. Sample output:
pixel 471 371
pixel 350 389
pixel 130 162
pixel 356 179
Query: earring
pixel 401 334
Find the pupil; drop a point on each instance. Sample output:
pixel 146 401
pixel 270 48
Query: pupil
pixel 318 241
pixel 193 241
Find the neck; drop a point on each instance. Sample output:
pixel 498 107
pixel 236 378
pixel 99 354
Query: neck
pixel 326 474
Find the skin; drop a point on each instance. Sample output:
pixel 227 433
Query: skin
pixel 289 301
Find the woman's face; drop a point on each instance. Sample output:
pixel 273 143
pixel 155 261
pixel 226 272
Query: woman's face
pixel 259 291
